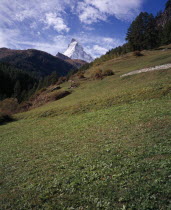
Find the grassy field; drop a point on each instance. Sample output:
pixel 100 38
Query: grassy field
pixel 105 146
pixel 127 63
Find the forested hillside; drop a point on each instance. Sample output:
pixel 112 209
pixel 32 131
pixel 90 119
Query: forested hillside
pixel 21 84
pixel 16 83
pixel 39 62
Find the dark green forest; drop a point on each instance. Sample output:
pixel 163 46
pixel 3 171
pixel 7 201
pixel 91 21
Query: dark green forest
pixel 20 84
pixel 16 83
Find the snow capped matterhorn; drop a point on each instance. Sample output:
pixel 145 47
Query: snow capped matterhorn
pixel 76 51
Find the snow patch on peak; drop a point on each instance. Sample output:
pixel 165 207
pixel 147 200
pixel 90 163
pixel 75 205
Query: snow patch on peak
pixel 76 51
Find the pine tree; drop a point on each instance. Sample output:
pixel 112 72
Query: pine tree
pixel 166 34
pixel 17 89
pixel 168 4
pixel 142 33
pixel 53 78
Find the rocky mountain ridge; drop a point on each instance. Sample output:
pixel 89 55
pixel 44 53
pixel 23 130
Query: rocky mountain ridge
pixel 76 51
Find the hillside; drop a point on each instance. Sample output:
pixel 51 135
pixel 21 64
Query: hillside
pixel 35 61
pixel 104 146
pixel 15 82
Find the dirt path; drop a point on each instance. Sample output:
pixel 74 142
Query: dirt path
pixel 156 68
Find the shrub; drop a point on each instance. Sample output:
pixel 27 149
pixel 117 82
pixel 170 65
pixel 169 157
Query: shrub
pixel 137 53
pixel 55 88
pixel 81 76
pixel 37 93
pixel 45 98
pixel 74 84
pixel 97 74
pixel 61 80
pixel 42 90
pixel 108 72
pixel 9 106
pixel 23 107
pixel 58 95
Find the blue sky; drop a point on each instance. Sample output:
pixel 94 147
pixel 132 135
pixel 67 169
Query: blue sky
pixel 49 25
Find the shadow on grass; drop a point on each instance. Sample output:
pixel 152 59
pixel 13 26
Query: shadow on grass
pixel 5 118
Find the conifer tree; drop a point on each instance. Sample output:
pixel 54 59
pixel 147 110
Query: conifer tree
pixel 166 33
pixel 142 33
pixel 17 89
pixel 168 4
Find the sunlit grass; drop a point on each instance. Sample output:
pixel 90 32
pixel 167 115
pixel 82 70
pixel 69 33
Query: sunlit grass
pixel 105 146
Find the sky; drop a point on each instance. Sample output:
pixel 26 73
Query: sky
pixel 49 25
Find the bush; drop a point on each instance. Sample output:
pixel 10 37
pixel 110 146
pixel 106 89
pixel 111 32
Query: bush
pixel 45 98
pixel 137 53
pixel 74 84
pixel 108 72
pixel 58 95
pixel 81 76
pixel 9 106
pixel 42 90
pixel 23 107
pixel 61 80
pixel 97 74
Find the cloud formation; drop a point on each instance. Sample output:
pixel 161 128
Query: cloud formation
pixel 96 46
pixel 91 11
pixel 47 25
pixel 22 10
pixel 56 22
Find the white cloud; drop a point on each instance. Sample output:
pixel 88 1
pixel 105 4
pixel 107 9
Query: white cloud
pixel 3 41
pixel 96 46
pixel 88 11
pixel 89 14
pixel 23 22
pixel 22 10
pixel 108 40
pixel 101 9
pixel 8 38
pixel 98 50
pixel 53 46
pixel 33 25
pixel 56 22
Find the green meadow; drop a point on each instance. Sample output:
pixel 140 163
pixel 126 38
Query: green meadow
pixel 107 145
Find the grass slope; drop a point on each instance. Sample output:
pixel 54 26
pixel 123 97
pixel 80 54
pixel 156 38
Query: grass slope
pixel 105 146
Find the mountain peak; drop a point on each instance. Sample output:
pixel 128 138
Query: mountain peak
pixel 73 40
pixel 76 51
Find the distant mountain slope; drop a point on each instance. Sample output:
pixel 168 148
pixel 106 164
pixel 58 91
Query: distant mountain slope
pixel 62 56
pixel 36 61
pixel 75 62
pixel 76 51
